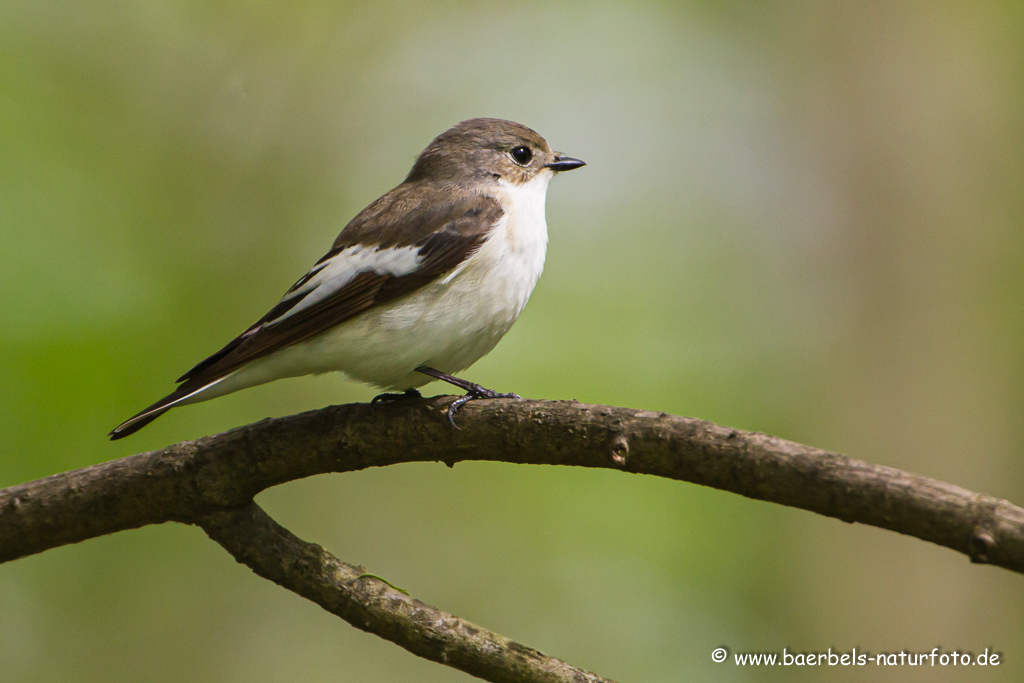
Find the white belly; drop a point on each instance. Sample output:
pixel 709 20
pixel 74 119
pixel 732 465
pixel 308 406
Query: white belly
pixel 447 325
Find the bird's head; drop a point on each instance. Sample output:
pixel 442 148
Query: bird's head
pixel 488 150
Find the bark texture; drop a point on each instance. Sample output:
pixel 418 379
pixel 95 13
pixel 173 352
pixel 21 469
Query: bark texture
pixel 211 482
pixel 371 604
pixel 190 479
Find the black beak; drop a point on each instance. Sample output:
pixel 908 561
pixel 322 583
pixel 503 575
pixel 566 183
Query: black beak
pixel 564 163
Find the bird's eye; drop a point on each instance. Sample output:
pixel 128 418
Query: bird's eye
pixel 522 155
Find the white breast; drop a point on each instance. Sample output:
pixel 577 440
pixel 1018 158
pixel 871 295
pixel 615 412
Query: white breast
pixel 454 322
pixel 508 265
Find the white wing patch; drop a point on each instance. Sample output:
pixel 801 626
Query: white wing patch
pixel 337 271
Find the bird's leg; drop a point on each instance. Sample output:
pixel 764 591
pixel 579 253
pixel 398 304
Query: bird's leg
pixel 473 391
pixel 388 398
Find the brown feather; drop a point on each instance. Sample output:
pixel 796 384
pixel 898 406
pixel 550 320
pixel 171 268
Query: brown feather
pixel 445 238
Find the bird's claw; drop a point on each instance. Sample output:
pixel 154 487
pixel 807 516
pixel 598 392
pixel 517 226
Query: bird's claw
pixel 475 392
pixel 388 398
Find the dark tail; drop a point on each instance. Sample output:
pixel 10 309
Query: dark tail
pixel 143 418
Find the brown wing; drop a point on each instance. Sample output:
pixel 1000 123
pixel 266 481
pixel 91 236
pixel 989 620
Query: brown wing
pixel 445 233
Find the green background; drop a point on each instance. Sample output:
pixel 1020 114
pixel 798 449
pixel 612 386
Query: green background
pixel 800 218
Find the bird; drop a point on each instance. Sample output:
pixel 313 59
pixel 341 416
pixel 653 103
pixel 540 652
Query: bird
pixel 420 285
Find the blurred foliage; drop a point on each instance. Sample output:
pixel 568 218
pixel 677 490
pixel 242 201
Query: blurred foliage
pixel 800 218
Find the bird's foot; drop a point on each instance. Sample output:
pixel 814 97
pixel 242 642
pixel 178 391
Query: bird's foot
pixel 388 398
pixel 474 392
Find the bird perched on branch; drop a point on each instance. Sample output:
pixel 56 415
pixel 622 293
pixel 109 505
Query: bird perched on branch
pixel 420 285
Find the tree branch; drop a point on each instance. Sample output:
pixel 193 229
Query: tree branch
pixel 368 603
pixel 185 481
pixel 211 482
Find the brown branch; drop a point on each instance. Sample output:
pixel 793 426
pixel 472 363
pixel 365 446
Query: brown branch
pixel 211 482
pixel 185 481
pixel 368 603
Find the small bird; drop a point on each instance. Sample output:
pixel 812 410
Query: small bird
pixel 420 285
